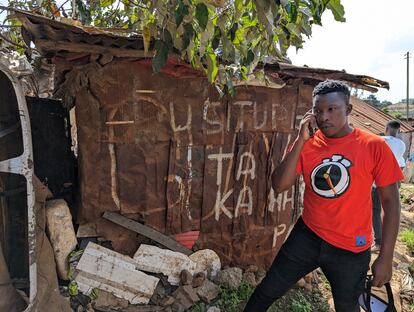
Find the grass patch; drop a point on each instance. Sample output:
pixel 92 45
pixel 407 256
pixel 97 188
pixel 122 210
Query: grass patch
pixel 295 300
pixel 228 300
pixel 300 300
pixel 407 236
pixel 325 282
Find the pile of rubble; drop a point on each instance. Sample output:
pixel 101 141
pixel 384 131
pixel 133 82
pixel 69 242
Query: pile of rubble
pixel 155 279
pixel 170 278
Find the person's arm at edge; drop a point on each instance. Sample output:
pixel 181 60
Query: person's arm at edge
pixel 382 267
pixel 285 174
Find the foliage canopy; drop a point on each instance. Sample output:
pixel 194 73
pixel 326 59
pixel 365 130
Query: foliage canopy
pixel 228 39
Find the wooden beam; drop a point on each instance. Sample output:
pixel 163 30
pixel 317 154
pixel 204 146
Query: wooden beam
pixel 56 46
pixel 147 232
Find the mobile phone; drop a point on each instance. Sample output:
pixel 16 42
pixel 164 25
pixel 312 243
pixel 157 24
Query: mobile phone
pixel 311 131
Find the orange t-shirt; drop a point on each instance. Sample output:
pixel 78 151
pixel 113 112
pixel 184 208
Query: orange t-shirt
pixel 338 175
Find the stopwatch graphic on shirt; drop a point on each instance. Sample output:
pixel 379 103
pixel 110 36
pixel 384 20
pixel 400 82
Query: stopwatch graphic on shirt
pixel 330 179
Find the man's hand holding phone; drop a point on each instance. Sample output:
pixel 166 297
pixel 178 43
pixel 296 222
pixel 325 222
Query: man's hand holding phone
pixel 307 126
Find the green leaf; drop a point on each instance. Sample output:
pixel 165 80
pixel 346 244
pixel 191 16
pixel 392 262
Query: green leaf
pixel 216 38
pixel 202 15
pixel 71 272
pixel 161 55
pixel 188 35
pixel 180 12
pixel 239 36
pixel 250 57
pixel 233 30
pixel 94 294
pixel 212 68
pixel 247 21
pixel 73 288
pixel 337 9
pixel 238 5
pixel 166 37
pixel 106 3
pixel 230 87
pixel 293 12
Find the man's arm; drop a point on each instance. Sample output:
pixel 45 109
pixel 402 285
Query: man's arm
pixel 285 174
pixel 382 267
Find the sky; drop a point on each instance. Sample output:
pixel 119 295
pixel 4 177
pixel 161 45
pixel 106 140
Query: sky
pixel 372 41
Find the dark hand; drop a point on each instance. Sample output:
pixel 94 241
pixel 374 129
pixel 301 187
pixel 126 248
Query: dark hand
pixel 381 271
pixel 308 119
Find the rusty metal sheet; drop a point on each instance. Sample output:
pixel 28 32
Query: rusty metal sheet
pixel 171 154
pixel 372 119
pixel 184 188
pixel 251 182
pixel 260 109
pixel 89 133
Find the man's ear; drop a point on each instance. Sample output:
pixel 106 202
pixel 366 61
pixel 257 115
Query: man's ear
pixel 348 109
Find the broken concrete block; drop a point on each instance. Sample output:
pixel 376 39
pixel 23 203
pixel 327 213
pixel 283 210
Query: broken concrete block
pixel 231 277
pixel 308 287
pixel 260 275
pixel 185 297
pixel 207 261
pixel 167 301
pixel 213 309
pixel 249 278
pixel 186 277
pixel 208 291
pixel 87 230
pixel 252 268
pixel 61 233
pixel 107 300
pixel 198 279
pixel 156 260
pixel 301 283
pixel 113 272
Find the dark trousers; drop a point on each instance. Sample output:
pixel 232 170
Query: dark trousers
pixel 302 253
pixel 376 216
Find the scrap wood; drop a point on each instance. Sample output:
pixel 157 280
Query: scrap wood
pixel 146 231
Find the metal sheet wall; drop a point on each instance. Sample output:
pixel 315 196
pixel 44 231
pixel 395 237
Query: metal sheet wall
pixel 170 153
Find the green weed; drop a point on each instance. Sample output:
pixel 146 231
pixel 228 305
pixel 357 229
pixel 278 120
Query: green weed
pixel 407 236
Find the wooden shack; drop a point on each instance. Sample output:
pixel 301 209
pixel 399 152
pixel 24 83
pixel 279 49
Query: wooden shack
pixel 166 150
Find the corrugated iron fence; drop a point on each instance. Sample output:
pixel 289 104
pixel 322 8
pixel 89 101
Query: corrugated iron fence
pixel 170 153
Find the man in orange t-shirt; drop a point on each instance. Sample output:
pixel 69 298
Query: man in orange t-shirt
pixel 339 165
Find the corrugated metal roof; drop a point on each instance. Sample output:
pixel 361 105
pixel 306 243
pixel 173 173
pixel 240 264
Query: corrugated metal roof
pixel 52 37
pixel 41 27
pixel 371 119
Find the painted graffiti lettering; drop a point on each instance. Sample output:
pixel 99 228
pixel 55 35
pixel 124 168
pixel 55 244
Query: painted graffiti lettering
pixel 282 200
pixel 242 104
pixel 263 123
pixel 256 117
pixel 249 169
pixel 219 205
pixel 241 201
pixel 279 230
pixel 179 128
pixel 216 123
pixel 246 168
